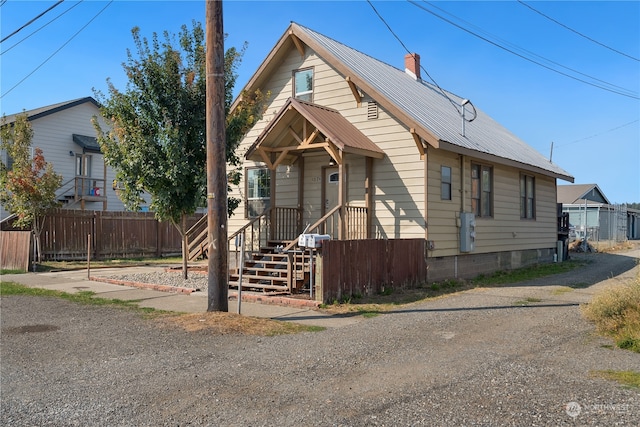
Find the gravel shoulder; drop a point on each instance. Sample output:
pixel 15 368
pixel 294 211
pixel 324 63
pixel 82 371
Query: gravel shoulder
pixel 474 358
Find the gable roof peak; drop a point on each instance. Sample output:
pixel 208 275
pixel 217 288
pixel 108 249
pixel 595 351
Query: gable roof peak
pixel 419 105
pixel 37 113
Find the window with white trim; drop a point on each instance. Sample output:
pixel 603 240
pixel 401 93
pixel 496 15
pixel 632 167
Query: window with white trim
pixel 303 84
pixel 527 197
pixel 258 191
pixel 445 182
pixel 481 190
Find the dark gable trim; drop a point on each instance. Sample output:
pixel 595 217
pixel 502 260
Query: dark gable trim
pixel 55 108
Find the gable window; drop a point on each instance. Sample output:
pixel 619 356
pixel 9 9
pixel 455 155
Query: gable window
pixel 527 197
pixel 481 190
pixel 445 183
pixel 303 84
pixel 258 191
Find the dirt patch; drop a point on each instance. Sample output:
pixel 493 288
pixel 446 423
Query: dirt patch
pixel 218 323
pixel 26 329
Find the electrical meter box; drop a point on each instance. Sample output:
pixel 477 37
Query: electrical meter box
pixel 312 240
pixel 467 231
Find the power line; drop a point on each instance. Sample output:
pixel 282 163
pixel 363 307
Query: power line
pixel 600 134
pixel 630 94
pixel 408 51
pixel 529 52
pixel 31 21
pixel 577 32
pixel 20 41
pixel 58 50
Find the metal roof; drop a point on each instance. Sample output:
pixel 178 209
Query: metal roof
pixel 427 106
pixel 329 121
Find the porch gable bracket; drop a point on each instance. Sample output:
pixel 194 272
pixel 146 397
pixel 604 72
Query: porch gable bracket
pixel 294 135
pixel 334 152
pixel 418 141
pixel 299 44
pixel 354 91
pixel 266 158
pixel 302 126
pixel 308 141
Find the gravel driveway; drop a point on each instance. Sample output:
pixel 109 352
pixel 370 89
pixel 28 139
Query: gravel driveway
pixel 474 358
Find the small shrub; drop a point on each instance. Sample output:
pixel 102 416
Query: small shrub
pixel 527 301
pixel 3 272
pixel 629 379
pixel 386 291
pixel 616 312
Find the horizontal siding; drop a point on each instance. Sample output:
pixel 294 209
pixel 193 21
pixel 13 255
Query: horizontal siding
pixel 505 231
pixel 398 178
pixel 442 214
pixel 54 135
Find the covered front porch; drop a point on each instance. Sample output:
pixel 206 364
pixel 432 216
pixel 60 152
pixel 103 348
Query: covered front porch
pixel 319 179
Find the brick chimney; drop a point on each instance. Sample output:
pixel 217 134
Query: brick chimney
pixel 412 65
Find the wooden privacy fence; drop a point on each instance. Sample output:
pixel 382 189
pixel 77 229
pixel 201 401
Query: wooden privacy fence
pixel 15 250
pixel 113 235
pixel 366 267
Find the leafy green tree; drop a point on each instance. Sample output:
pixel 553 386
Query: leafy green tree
pixel 28 185
pixel 157 140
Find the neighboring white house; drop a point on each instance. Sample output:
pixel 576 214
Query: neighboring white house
pixel 67 138
pixel 590 211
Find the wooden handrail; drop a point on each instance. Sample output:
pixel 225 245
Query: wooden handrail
pixel 197 225
pixel 266 213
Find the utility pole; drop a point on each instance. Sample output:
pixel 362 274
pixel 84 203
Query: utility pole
pixel 216 161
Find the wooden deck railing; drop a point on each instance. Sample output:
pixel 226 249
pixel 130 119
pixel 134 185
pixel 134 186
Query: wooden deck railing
pixel 319 226
pixel 82 188
pixel 356 223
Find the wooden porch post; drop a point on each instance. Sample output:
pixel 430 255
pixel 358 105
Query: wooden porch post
pixel 341 198
pixel 104 186
pixel 273 202
pixel 300 193
pixel 368 194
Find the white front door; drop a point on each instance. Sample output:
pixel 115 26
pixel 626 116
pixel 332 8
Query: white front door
pixel 331 184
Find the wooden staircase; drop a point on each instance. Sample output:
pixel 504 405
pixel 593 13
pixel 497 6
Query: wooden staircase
pixel 269 270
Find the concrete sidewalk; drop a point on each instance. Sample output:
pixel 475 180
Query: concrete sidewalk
pixel 195 302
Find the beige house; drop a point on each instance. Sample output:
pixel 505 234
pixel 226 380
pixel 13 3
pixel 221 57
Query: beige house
pixel 357 149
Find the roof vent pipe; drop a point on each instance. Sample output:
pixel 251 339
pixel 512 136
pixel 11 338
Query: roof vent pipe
pixel 464 103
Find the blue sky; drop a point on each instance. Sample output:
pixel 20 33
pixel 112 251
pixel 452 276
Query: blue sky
pixel 596 133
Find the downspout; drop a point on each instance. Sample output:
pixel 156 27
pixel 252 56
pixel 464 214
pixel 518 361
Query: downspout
pixel 426 193
pixel 458 220
pixel 426 211
pixel 462 183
